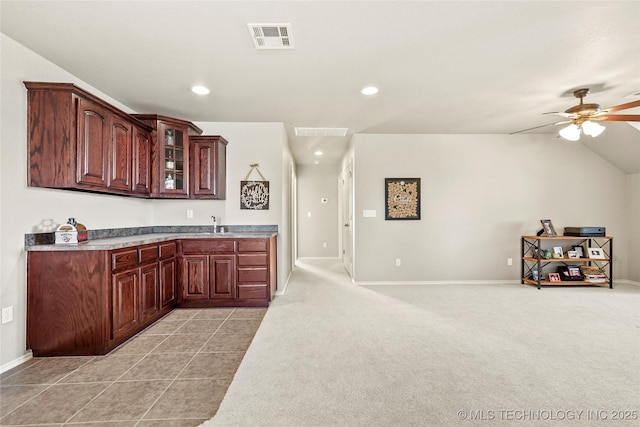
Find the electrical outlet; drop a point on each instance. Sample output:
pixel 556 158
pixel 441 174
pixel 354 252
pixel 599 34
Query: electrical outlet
pixel 398 262
pixel 189 213
pixel 509 261
pixel 324 245
pixel 7 314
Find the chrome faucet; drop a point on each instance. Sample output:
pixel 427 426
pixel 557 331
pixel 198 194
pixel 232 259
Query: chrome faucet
pixel 214 223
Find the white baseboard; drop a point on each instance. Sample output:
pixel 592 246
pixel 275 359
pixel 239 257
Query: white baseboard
pixel 20 360
pixel 465 282
pixel 625 282
pixel 438 282
pixel 286 283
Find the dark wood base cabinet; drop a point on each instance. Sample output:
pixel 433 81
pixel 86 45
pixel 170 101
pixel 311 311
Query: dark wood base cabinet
pixel 89 302
pixel 227 272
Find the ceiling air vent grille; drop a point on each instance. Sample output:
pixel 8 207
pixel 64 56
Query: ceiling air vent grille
pixel 300 131
pixel 271 36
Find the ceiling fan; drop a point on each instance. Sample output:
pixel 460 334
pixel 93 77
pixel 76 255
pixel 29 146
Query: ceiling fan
pixel 584 117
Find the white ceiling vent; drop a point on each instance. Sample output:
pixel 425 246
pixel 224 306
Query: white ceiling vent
pixel 271 36
pixel 321 131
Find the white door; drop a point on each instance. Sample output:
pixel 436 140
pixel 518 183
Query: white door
pixel 347 219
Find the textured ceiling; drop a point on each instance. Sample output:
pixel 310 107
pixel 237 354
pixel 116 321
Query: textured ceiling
pixel 442 67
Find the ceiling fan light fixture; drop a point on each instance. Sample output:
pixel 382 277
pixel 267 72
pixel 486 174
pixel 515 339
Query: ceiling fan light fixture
pixel 571 132
pixel 200 90
pixel 369 90
pixel 592 129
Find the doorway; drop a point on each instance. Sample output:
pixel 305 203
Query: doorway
pixel 346 187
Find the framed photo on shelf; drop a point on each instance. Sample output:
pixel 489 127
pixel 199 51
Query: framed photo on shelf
pixel 534 274
pixel 558 251
pixel 547 225
pixel 574 271
pixel 573 254
pixel 554 277
pixel 579 249
pixel 402 198
pixel 596 253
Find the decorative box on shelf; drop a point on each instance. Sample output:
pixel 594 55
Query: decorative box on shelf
pixel 66 233
pixel 71 232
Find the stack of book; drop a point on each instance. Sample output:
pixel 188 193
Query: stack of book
pixel 593 274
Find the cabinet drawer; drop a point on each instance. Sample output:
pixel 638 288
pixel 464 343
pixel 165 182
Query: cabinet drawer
pixel 250 275
pixel 148 254
pixel 252 245
pixel 253 292
pixel 208 246
pixel 125 259
pixel 167 250
pixel 250 260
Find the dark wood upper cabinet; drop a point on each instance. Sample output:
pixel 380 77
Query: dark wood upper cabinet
pixel 77 141
pixel 208 167
pixel 141 162
pixel 93 144
pixel 120 154
pixel 170 154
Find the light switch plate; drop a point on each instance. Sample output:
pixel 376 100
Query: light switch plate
pixel 369 213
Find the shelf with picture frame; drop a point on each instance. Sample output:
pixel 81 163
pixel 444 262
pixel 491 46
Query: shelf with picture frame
pixel 538 261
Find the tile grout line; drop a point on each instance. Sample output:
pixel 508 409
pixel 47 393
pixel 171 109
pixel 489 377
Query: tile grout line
pixel 121 375
pixel 43 390
pixel 108 384
pixel 185 367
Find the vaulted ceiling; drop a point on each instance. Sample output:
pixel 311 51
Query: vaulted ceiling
pixel 470 67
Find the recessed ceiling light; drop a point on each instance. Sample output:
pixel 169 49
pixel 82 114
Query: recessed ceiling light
pixel 200 90
pixel 369 90
pixel 318 153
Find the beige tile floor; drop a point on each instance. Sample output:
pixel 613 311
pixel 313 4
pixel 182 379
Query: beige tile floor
pixel 175 373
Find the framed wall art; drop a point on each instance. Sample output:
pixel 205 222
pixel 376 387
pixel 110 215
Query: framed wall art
pixel 254 195
pixel 402 198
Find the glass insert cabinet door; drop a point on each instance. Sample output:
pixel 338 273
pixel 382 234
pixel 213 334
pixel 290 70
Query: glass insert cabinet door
pixel 174 160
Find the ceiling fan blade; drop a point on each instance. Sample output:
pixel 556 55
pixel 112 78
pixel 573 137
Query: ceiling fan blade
pixel 541 126
pixel 567 115
pixel 618 118
pixel 620 107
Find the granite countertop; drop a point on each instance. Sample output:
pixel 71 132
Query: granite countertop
pixel 104 240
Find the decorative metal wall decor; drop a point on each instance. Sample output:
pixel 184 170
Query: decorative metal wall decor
pixel 254 195
pixel 402 198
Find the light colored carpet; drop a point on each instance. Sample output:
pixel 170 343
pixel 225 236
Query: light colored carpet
pixel 329 353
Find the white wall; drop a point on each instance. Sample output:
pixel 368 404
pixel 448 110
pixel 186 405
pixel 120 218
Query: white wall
pixel 633 195
pixel 249 143
pixel 480 193
pixel 317 221
pixel 286 231
pixel 22 208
